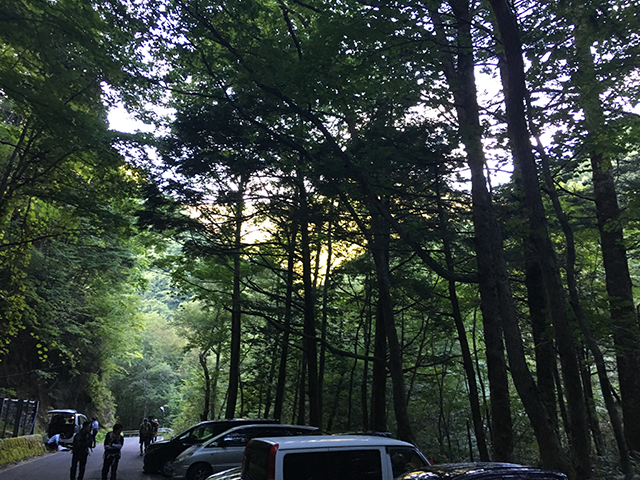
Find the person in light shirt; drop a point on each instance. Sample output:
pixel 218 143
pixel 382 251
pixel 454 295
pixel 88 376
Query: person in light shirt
pixel 112 446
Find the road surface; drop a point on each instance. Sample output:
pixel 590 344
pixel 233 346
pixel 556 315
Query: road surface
pixel 57 465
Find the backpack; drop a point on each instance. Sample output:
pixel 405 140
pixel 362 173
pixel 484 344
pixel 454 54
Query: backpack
pixel 145 429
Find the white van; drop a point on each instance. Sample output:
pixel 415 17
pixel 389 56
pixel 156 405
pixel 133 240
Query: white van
pixel 330 457
pixel 67 423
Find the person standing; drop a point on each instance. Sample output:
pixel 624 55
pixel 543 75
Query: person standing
pixel 95 426
pixel 82 442
pixel 154 427
pixel 112 446
pixel 146 432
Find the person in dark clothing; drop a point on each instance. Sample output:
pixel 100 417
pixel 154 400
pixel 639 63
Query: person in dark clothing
pixel 112 446
pixel 146 433
pixel 82 442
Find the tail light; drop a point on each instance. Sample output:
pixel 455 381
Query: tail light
pixel 271 463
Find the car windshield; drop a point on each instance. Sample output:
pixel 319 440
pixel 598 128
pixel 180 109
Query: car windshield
pixel 202 433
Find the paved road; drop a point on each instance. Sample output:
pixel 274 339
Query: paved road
pixel 57 465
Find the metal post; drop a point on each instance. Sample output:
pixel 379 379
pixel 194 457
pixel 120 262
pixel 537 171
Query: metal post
pixel 36 405
pixel 16 426
pixel 6 402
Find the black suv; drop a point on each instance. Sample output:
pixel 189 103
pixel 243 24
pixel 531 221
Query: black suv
pixel 481 471
pixel 160 455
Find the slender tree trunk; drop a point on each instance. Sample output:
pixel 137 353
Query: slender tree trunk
pixel 302 417
pixel 325 313
pixel 546 363
pixel 624 320
pixel 380 250
pixel 594 423
pixel 310 346
pixel 366 321
pixel 467 361
pixel 214 386
pixel 284 349
pixel 379 373
pixel 236 316
pixel 202 358
pixel 269 383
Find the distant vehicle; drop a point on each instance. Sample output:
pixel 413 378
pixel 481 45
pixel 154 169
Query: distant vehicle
pixel 160 455
pixel 482 471
pixel 66 422
pixel 227 449
pixel 330 457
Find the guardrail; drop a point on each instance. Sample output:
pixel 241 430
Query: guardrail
pixel 136 433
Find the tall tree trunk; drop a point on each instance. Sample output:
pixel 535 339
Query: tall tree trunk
pixel 467 361
pixel 594 423
pixel 236 316
pixel 366 319
pixel 310 346
pixel 284 349
pixel 202 358
pixel 462 84
pixel 269 383
pixel 325 311
pixel 214 386
pixel 624 320
pixel 380 250
pixel 379 373
pixel 302 417
pixel 545 352
pixel 574 300
pixel 512 71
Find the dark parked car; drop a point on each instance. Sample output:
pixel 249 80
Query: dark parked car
pixel 481 471
pixel 160 455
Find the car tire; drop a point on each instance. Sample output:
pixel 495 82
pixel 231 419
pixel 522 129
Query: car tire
pixel 167 468
pixel 199 471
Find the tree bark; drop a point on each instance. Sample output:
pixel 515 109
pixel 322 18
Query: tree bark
pixel 545 352
pixel 380 250
pixel 236 315
pixel 574 300
pixel 624 320
pixel 512 71
pixel 284 350
pixel 379 374
pixel 461 81
pixel 310 346
pixel 474 401
pixel 202 358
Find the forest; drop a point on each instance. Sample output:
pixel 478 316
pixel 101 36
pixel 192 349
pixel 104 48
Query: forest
pixel 418 217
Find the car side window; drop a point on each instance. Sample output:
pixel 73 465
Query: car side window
pixel 236 439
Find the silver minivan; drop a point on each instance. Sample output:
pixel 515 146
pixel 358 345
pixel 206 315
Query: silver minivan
pixel 227 449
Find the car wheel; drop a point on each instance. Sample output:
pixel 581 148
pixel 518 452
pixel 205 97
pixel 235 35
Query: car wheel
pixel 167 468
pixel 200 471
